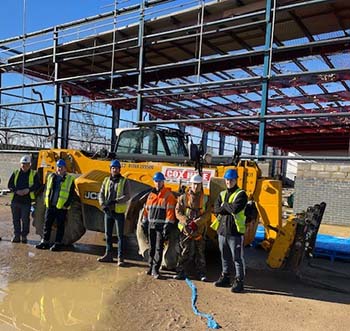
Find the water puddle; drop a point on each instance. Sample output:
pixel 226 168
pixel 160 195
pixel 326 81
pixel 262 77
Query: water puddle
pixel 59 304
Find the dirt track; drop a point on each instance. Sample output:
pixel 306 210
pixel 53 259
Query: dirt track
pixel 43 290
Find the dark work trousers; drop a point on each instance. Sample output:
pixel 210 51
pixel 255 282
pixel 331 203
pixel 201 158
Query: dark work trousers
pixel 191 250
pixel 20 212
pixel 52 214
pixel 231 249
pixel 156 242
pixel 119 220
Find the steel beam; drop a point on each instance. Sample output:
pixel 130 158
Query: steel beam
pixel 239 146
pixel 140 82
pixel 252 149
pixel 249 118
pixel 221 143
pixel 57 89
pixel 10 128
pixel 270 19
pixel 66 109
pixel 204 141
pixel 299 157
pixel 115 124
pixel 0 98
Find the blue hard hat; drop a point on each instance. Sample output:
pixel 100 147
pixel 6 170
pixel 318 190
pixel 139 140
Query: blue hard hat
pixel 61 163
pixel 158 176
pixel 115 164
pixel 231 174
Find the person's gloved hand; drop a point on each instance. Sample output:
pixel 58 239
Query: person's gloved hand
pixel 107 211
pixel 19 192
pixel 167 229
pixel 192 227
pixel 225 207
pixel 25 191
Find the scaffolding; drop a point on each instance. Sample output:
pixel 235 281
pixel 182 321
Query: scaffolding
pixel 270 72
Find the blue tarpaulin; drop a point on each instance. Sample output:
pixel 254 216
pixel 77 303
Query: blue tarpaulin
pixel 326 245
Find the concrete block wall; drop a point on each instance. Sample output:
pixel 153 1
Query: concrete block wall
pixel 324 182
pixel 8 163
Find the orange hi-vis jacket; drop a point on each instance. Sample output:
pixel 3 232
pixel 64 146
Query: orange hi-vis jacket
pixel 160 207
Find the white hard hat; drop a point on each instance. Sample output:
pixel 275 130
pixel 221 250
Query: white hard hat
pixel 25 159
pixel 197 179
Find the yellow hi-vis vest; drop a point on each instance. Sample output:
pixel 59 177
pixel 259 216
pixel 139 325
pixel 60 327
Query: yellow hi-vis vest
pixel 120 208
pixel 30 182
pixel 239 217
pixel 202 203
pixel 64 190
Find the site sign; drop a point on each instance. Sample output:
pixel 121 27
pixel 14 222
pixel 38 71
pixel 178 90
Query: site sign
pixel 183 174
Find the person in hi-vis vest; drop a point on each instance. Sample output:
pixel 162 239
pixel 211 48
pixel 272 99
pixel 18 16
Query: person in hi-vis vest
pixel 58 198
pixel 23 184
pixel 229 210
pixel 113 198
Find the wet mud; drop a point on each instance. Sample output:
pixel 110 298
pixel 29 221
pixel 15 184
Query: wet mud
pixel 70 290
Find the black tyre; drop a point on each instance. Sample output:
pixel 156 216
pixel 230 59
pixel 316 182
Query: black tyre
pixel 142 238
pixel 74 226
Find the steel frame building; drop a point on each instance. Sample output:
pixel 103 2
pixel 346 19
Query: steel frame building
pixel 274 72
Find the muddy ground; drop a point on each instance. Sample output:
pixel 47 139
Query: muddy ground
pixel 70 290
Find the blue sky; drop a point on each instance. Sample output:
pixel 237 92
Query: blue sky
pixel 41 14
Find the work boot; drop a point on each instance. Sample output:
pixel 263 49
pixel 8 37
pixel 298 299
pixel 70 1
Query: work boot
pixel 238 286
pixel 180 275
pixel 56 247
pixel 202 277
pixel 43 245
pixel 16 239
pixel 108 257
pixel 24 239
pixel 120 262
pixel 223 281
pixel 155 274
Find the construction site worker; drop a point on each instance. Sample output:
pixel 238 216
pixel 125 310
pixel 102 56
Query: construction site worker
pixel 159 219
pixel 229 210
pixel 58 199
pixel 113 198
pixel 192 213
pixel 23 184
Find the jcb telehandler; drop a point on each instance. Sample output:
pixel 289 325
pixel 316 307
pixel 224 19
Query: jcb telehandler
pixel 144 151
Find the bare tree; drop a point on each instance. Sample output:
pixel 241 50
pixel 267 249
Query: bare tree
pixel 8 119
pixel 40 137
pixel 87 132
